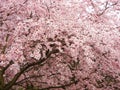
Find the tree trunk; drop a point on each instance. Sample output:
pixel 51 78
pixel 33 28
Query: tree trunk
pixel 2 84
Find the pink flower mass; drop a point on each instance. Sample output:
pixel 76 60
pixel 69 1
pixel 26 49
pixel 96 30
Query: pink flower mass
pixel 59 44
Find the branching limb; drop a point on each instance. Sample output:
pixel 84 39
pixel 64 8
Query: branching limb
pixel 59 86
pixel 7 66
pixel 26 67
pixel 2 71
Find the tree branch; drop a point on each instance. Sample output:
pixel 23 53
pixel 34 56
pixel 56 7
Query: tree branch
pixel 26 67
pixel 2 71
pixel 7 66
pixel 59 86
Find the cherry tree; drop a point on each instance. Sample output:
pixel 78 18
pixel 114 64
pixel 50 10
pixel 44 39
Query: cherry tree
pixel 59 45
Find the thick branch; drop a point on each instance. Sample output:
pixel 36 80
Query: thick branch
pixel 1 80
pixel 59 86
pixel 26 67
pixel 7 66
pixel 2 83
pixel 12 82
pixel 34 76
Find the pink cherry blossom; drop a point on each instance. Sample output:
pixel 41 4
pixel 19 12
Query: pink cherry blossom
pixel 59 45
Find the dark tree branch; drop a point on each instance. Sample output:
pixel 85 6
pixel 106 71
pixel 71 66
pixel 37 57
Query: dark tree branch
pixel 34 76
pixel 25 1
pixel 7 66
pixel 106 7
pixel 59 86
pixel 1 80
pixel 26 67
pixel 12 82
pixel 2 71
